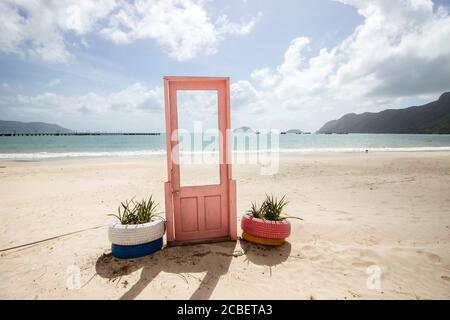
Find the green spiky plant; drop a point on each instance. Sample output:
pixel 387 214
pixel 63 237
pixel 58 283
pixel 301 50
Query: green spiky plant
pixel 271 209
pixel 132 212
pixel 256 211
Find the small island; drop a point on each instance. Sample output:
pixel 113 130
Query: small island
pixel 244 130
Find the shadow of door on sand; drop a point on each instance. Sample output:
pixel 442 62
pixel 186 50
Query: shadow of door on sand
pixel 214 259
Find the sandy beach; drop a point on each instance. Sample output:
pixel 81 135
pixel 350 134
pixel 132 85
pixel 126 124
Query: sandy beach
pixel 379 210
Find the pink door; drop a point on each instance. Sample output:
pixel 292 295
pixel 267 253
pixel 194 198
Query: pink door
pixel 207 212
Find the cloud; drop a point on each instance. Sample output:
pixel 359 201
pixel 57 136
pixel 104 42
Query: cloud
pixel 224 26
pixel 405 40
pixel 37 29
pixel 197 106
pixel 53 82
pixel 397 55
pixel 243 94
pixel 264 77
pixel 293 57
pixel 183 28
pixel 135 100
pixel 400 51
pixel 135 107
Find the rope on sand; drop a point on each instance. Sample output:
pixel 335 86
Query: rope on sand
pixel 52 238
pixel 56 237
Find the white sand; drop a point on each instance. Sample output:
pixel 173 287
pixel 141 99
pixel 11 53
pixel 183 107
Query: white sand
pixel 391 210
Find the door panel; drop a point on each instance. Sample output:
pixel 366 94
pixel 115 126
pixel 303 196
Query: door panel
pixel 202 213
pixel 213 206
pixel 189 208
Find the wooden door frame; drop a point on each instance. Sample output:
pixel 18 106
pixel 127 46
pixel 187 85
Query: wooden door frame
pixel 196 84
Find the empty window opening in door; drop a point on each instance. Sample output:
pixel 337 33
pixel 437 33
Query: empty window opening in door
pixel 199 137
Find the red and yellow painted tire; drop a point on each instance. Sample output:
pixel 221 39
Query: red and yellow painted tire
pixel 264 241
pixel 265 228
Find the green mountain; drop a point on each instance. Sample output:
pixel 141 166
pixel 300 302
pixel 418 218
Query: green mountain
pixel 296 131
pixel 433 117
pixel 30 127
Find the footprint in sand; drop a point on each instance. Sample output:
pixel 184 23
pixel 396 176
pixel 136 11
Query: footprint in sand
pixel 446 278
pixel 368 241
pixel 344 219
pixel 431 256
pixel 315 258
pixel 362 264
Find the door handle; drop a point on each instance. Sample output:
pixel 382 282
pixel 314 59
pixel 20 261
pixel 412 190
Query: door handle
pixel 177 192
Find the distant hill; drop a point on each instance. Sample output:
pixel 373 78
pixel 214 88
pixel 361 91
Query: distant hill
pixel 433 117
pixel 31 127
pixel 297 131
pixel 244 129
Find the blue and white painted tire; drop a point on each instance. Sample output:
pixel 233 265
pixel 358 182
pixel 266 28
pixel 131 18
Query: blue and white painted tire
pixel 136 251
pixel 134 234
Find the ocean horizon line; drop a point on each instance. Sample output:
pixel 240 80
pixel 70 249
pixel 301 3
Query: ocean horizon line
pixel 100 154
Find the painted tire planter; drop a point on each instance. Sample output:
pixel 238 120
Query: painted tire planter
pixel 265 228
pixel 135 234
pixel 264 241
pixel 136 251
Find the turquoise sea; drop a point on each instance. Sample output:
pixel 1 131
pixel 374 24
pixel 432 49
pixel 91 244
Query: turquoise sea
pixel 49 147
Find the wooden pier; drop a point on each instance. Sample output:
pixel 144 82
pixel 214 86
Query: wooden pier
pixel 16 134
